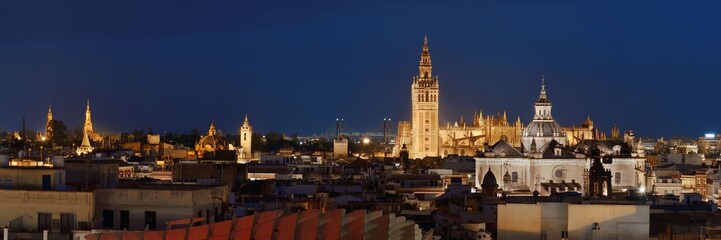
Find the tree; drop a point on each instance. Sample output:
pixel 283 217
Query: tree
pixel 273 142
pixel 59 135
pixel 258 144
pixel 77 137
pixel 139 135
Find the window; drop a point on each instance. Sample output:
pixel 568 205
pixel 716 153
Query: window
pixel 108 219
pixel 124 219
pixel 514 177
pixel 8 184
pixel 617 177
pixel 200 213
pixel 67 222
pixel 150 219
pixel 207 216
pixel 244 136
pixel 45 221
pixel 46 182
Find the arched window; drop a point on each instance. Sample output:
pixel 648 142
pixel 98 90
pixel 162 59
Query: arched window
pixel 425 74
pixel 617 177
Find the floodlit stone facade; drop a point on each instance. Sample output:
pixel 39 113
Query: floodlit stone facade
pixel 573 221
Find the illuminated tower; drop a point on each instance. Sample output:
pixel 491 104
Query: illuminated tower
pixel 48 126
pixel 85 146
pixel 88 127
pixel 543 129
pixel 424 107
pixel 246 139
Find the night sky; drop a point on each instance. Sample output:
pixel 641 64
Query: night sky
pixel 296 66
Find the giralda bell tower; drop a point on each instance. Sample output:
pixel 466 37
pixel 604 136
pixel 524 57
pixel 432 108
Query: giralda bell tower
pixel 424 105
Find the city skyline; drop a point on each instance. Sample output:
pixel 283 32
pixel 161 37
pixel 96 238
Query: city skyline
pixel 144 75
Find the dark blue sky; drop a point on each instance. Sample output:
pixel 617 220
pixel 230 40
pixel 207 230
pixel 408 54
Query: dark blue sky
pixel 294 66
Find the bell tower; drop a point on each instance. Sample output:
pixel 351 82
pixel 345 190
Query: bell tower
pixel 246 139
pixel 424 107
pixel 48 124
pixel 88 127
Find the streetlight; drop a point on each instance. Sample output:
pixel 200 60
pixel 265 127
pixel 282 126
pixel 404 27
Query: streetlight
pixel 366 141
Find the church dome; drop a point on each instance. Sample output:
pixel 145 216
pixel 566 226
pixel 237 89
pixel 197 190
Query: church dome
pixel 211 142
pixel 489 179
pixel 544 129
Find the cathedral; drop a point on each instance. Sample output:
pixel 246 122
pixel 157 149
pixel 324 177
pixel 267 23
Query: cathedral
pixel 88 126
pixel 465 139
pixel 213 145
pixel 210 143
pixel 547 163
pixel 88 132
pixel 424 105
pixel 424 136
pixel 541 156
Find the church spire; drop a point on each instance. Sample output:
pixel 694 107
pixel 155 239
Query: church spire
pixel 48 126
pixel 425 67
pixel 50 114
pixel 543 95
pixel 212 130
pixel 543 105
pixel 88 127
pixel 246 123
